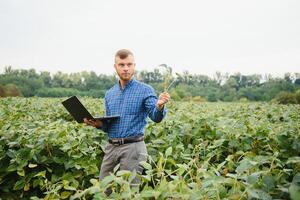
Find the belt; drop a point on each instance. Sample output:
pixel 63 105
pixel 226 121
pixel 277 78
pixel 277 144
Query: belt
pixel 120 141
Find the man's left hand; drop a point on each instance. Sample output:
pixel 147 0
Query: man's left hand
pixel 162 100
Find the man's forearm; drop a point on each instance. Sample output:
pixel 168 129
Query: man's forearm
pixel 157 115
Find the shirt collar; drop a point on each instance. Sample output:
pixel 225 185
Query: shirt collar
pixel 128 84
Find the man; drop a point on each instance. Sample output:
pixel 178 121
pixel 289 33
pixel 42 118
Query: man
pixel 134 102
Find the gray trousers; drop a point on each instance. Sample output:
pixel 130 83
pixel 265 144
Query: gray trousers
pixel 128 155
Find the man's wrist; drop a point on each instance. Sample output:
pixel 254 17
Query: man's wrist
pixel 99 124
pixel 160 107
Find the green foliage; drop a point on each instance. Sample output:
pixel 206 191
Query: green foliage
pixel 200 151
pixel 66 92
pixel 222 87
pixel 287 98
pixel 297 95
pixel 57 92
pixel 294 188
pixel 9 90
pixel 183 91
pixel 2 91
pixel 243 100
pixel 43 152
pixel 30 83
pixel 198 99
pixel 168 77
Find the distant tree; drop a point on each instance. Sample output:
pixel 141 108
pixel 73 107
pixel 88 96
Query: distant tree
pixel 288 77
pixel 2 91
pixel 286 98
pixel 224 87
pixel 253 80
pixel 183 91
pixel 297 79
pixel 8 70
pixel 297 95
pixel 60 80
pixel 11 90
pixel 46 78
pixel 218 78
pixel 232 82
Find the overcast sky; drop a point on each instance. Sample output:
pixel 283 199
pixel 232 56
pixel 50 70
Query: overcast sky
pixel 254 36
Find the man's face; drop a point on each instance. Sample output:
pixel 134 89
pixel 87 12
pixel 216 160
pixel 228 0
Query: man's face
pixel 125 67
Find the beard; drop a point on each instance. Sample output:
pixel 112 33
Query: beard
pixel 125 76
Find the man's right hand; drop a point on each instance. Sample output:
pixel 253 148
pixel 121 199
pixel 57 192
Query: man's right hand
pixel 94 123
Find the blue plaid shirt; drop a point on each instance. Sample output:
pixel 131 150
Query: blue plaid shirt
pixel 134 103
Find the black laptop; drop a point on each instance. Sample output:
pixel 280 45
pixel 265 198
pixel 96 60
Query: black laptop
pixel 79 112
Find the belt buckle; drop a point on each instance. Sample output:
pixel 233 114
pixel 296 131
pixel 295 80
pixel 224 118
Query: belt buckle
pixel 114 141
pixel 121 141
pixel 118 141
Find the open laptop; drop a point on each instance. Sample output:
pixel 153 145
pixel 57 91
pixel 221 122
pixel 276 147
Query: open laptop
pixel 79 112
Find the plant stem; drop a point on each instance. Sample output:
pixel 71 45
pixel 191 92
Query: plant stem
pixel 166 90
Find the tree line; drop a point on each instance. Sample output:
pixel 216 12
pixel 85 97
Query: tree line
pixel 184 86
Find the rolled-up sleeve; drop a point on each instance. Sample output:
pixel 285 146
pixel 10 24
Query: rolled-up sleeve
pixel 150 105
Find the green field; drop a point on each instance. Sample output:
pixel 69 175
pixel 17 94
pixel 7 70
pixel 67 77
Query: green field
pixel 200 151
